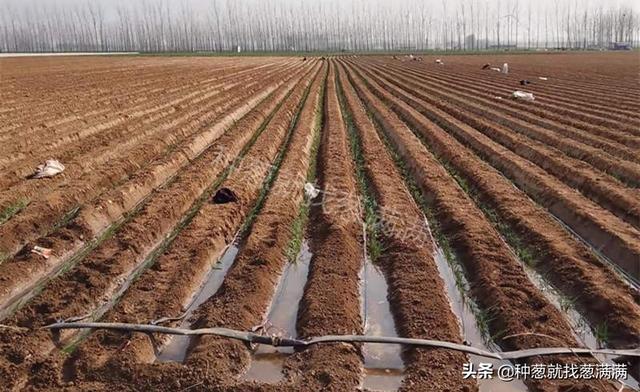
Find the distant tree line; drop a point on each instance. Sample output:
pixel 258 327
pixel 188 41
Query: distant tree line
pixel 356 25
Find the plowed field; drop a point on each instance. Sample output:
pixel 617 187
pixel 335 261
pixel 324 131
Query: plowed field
pixel 347 196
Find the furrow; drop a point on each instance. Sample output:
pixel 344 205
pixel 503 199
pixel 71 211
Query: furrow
pixel 169 284
pixel 408 263
pixel 614 238
pixel 499 283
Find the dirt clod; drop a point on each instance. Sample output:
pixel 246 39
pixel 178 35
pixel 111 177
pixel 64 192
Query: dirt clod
pixel 224 196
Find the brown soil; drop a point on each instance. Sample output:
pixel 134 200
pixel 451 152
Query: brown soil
pixel 82 182
pixel 168 286
pixel 22 272
pixel 99 137
pixel 244 297
pixel 148 140
pixel 408 261
pixel 499 282
pixel 599 187
pixel 330 303
pixel 555 107
pixel 568 263
pixel 98 276
pixel 522 111
pixel 604 231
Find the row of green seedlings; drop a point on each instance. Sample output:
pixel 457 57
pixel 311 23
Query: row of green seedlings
pixel 273 173
pixel 12 210
pixel 184 222
pixel 72 214
pixel 70 262
pixel 528 254
pixel 8 213
pixel 300 223
pixel 619 271
pixel 483 317
pixel 78 256
pixel 368 202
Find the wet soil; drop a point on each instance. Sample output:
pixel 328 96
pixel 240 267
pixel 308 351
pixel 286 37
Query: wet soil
pixel 148 142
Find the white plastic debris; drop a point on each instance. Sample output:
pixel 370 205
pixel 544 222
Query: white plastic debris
pixel 523 95
pixel 542 78
pixel 438 61
pixel 51 168
pixel 44 252
pixel 505 68
pixel 497 97
pixel 311 191
pixel 496 69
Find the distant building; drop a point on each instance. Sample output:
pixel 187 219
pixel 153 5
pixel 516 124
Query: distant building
pixel 483 43
pixel 503 46
pixel 620 46
pixel 470 42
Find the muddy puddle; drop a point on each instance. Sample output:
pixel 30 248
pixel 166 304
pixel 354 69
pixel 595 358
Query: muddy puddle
pixel 267 361
pixel 383 365
pixel 471 331
pixel 178 346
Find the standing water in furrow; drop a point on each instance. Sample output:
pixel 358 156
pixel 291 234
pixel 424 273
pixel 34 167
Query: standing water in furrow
pixel 177 348
pixel 211 230
pixel 497 279
pixel 471 331
pixel 267 362
pixel 243 299
pixel 582 331
pixel 399 243
pixel 383 363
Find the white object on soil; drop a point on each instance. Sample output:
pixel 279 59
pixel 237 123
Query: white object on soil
pixel 505 68
pixel 311 191
pixel 496 69
pixel 50 168
pixel 44 252
pixel 523 95
pixel 438 61
pixel 542 78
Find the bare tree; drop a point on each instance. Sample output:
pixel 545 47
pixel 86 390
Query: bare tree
pixel 224 25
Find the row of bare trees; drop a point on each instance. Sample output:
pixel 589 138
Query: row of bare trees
pixel 285 25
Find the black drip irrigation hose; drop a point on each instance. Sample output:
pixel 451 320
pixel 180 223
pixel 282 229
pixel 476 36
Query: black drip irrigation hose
pixel 275 341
